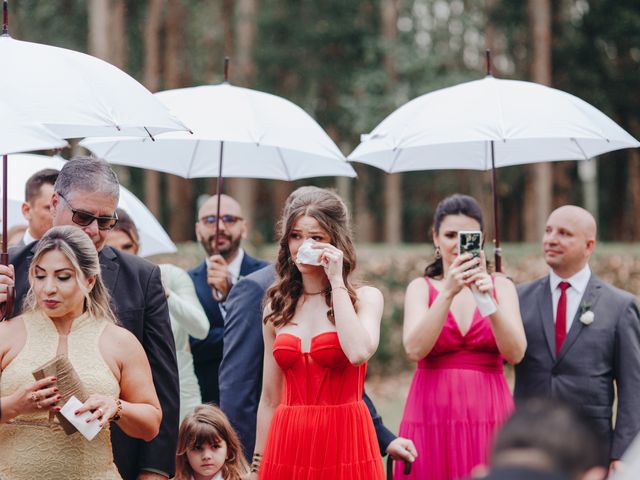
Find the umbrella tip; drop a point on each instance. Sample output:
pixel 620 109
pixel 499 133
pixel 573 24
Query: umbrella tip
pixel 487 54
pixel 226 69
pixel 5 18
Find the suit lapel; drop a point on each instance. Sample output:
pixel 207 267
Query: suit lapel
pixel 590 297
pixel 109 268
pixel 545 307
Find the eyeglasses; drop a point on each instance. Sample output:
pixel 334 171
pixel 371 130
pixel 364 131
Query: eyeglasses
pixel 84 219
pixel 226 219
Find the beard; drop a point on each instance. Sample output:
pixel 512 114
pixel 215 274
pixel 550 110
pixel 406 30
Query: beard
pixel 227 251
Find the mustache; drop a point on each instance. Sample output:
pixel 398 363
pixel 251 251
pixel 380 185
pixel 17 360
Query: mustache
pixel 212 238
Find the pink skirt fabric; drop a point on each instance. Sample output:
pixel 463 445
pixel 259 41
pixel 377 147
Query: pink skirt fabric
pixel 452 415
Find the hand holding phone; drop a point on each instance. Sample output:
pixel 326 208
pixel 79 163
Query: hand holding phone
pixel 470 241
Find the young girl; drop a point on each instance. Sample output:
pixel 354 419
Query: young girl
pixel 208 447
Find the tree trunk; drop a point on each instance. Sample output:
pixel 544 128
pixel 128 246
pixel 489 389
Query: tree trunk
pixel 244 190
pixel 99 16
pixel 362 207
pixel 633 162
pixel 538 186
pixel 392 181
pixel 180 195
pixel 152 75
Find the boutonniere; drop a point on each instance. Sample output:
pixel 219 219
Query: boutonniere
pixel 586 315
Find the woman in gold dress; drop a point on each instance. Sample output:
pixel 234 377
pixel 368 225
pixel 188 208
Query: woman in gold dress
pixel 67 312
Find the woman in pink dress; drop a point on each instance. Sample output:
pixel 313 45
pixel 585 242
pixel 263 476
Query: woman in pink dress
pixel 459 395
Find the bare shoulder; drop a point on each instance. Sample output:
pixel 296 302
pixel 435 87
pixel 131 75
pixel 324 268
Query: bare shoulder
pixel 503 282
pixel 418 284
pixel 369 293
pixel 121 337
pixel 8 328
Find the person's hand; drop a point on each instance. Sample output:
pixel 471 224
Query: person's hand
pixel 40 395
pixel 463 267
pixel 615 466
pixel 103 408
pixel 480 279
pixel 7 277
pixel 144 475
pixel 218 275
pixel 252 476
pixel 331 260
pixel 402 449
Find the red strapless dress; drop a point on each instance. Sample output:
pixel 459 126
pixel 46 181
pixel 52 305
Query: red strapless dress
pixel 322 429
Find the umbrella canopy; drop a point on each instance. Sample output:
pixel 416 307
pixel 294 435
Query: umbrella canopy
pixel 153 238
pixel 253 134
pixel 19 134
pixel 453 128
pixel 77 95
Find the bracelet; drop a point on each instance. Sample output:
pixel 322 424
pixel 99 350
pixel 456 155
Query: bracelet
pixel 255 462
pixel 116 416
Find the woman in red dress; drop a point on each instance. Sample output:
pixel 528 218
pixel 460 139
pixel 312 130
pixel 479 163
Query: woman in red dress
pixel 459 396
pixel 319 332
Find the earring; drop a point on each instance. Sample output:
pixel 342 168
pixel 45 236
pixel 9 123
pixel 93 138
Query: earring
pixel 438 254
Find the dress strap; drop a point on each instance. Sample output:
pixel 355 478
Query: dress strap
pixel 433 291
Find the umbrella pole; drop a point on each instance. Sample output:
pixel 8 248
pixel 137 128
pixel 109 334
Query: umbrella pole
pixel 217 294
pixel 7 308
pixel 496 227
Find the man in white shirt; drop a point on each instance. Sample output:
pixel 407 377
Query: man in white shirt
pixel 582 334
pixel 36 205
pixel 225 263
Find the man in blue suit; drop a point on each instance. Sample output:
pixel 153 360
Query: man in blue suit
pixel 218 272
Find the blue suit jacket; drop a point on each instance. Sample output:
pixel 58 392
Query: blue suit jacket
pixel 241 368
pixel 207 353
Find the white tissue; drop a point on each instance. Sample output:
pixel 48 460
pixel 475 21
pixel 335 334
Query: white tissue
pixel 307 254
pixel 89 430
pixel 485 303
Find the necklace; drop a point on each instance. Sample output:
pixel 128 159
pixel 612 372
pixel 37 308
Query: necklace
pixel 310 294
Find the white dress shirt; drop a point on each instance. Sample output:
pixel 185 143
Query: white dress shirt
pixel 27 238
pixel 578 283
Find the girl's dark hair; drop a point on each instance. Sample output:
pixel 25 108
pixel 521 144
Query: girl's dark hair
pixel 208 424
pixel 456 204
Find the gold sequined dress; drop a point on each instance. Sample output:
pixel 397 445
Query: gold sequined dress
pixel 33 446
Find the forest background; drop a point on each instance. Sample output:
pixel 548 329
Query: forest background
pixel 349 63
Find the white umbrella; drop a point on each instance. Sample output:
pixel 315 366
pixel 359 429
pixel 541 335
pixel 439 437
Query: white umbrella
pixel 259 135
pixel 19 134
pixel 153 238
pixel 76 95
pixel 490 123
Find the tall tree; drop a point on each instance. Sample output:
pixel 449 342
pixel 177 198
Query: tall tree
pixel 152 80
pixel 538 188
pixel 180 193
pixel 393 181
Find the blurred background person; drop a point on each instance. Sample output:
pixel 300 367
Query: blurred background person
pixel 548 440
pixel 459 395
pixel 67 313
pixel 319 332
pixel 186 315
pixel 36 207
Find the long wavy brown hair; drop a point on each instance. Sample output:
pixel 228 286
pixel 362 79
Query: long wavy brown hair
pixel 328 209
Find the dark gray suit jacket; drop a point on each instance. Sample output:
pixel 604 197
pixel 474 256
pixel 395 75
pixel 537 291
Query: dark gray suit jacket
pixel 241 367
pixel 139 302
pixel 591 358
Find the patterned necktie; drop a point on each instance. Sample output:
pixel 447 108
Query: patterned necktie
pixel 561 316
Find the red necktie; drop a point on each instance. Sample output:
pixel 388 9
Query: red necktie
pixel 561 316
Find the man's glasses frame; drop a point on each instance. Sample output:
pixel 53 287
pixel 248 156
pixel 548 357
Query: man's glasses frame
pixel 84 219
pixel 226 219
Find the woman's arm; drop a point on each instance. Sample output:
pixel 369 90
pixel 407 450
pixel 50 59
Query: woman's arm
pixel 506 321
pixel 423 324
pixel 272 380
pixel 359 333
pixel 140 412
pixel 184 305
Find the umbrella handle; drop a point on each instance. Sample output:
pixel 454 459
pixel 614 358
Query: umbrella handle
pixel 406 471
pixel 6 310
pixel 219 296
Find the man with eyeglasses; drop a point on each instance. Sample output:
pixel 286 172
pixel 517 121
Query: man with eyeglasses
pixel 86 195
pixel 226 262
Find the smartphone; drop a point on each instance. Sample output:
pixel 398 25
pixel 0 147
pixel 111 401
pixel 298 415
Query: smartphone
pixel 470 242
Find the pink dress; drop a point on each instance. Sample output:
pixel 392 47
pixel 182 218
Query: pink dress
pixel 458 399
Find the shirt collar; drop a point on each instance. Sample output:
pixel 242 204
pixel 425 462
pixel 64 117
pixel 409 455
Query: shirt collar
pixel 27 237
pixel 578 281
